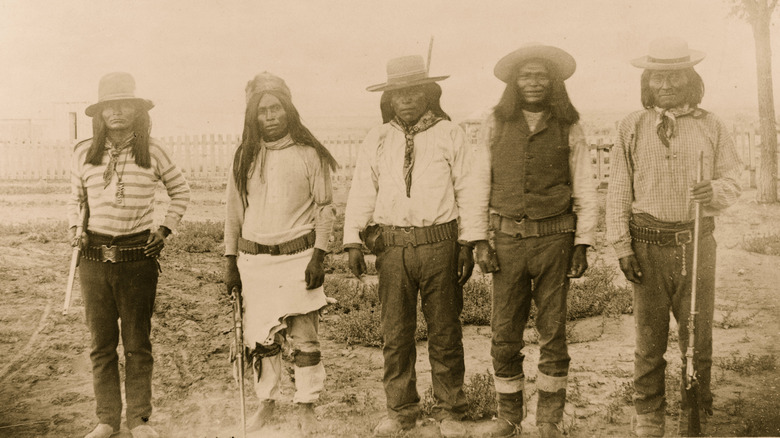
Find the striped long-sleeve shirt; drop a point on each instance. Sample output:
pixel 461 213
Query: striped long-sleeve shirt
pixel 135 211
pixel 648 177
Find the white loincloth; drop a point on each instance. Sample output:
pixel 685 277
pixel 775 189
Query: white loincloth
pixel 273 288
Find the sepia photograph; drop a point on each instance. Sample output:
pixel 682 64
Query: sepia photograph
pixel 344 218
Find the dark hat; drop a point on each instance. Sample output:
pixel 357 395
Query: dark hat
pixel 264 82
pixel 668 53
pixel 563 62
pixel 117 86
pixel 406 71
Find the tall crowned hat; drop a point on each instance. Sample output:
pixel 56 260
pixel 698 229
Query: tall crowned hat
pixel 117 86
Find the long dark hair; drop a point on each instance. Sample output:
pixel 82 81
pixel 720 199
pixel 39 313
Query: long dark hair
pixel 246 154
pixel 511 103
pixel 142 127
pixel 694 91
pixel 432 94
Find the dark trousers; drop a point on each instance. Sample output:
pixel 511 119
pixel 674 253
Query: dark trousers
pixel 663 288
pixel 543 262
pixel 431 271
pixel 125 292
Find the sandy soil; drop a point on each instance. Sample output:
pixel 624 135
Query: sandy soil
pixel 45 372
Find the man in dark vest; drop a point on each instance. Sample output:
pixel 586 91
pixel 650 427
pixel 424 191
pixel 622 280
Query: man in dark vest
pixel 543 214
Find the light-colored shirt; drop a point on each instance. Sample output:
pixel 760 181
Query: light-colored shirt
pixel 135 212
pixel 647 177
pixel 450 180
pixel 585 201
pixel 293 197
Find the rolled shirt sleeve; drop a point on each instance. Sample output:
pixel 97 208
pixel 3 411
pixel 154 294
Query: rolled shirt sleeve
pixel 471 181
pixel 583 187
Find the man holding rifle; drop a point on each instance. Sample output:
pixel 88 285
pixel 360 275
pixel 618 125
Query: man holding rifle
pixel 279 220
pixel 650 217
pixel 115 174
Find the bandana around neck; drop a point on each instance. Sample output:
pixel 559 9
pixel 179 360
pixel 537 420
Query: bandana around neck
pixel 428 120
pixel 113 154
pixel 275 145
pixel 666 122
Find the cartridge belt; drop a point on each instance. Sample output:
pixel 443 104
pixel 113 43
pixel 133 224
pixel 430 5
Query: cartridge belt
pixel 415 236
pixel 677 234
pixel 294 246
pixel 522 228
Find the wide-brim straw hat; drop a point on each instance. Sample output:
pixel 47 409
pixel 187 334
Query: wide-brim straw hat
pixel 406 71
pixel 668 53
pixel 117 86
pixel 563 62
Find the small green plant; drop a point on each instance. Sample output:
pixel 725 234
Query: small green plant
pixel 747 365
pixel 477 301
pixel 199 237
pixel 480 396
pixel 731 318
pixel 621 397
pixel 763 244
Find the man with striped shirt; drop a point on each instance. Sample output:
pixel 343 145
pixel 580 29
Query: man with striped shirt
pixel 650 216
pixel 115 174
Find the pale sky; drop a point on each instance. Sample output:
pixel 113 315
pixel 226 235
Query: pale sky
pixel 193 58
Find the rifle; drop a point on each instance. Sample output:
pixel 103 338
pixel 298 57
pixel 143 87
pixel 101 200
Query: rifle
pixel 691 379
pixel 238 325
pixel 75 257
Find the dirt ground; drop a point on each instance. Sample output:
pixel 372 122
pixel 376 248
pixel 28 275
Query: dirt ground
pixel 45 372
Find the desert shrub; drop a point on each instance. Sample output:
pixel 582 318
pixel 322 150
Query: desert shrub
pixel 480 396
pixel 357 313
pixel 732 317
pixel 763 244
pixel 621 397
pixel 747 365
pixel 198 237
pixel 477 301
pixel 596 294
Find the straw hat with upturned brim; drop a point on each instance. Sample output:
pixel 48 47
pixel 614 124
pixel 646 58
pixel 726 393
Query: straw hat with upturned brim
pixel 668 53
pixel 406 71
pixel 117 86
pixel 563 62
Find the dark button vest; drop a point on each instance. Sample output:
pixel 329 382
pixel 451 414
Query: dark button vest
pixel 531 175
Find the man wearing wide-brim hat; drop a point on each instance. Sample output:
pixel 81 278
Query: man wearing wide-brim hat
pixel 650 219
pixel 425 190
pixel 115 174
pixel 542 214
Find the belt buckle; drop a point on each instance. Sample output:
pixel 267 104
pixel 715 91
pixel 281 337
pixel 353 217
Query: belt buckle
pixel 520 227
pixel 275 250
pixel 409 236
pixel 683 237
pixel 108 253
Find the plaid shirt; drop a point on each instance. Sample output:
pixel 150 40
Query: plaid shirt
pixel 647 177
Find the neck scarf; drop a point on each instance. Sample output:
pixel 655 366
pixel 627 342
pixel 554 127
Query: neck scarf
pixel 113 154
pixel 275 145
pixel 666 122
pixel 426 121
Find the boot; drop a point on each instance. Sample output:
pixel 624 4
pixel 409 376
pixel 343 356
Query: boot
pixel 307 419
pixel 102 430
pixel 389 427
pixel 511 412
pixel 263 415
pixel 649 424
pixel 549 430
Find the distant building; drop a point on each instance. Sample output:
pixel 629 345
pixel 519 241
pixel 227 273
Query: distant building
pixel 66 122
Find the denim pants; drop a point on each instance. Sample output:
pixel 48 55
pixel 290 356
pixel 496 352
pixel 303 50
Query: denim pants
pixel 119 298
pixel 663 288
pixel 532 268
pixel 302 335
pixel 431 271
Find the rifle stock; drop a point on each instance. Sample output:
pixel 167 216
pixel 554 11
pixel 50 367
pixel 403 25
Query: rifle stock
pixel 238 331
pixel 75 255
pixel 691 379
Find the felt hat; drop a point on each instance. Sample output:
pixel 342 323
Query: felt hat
pixel 117 86
pixel 563 62
pixel 668 53
pixel 406 71
pixel 264 82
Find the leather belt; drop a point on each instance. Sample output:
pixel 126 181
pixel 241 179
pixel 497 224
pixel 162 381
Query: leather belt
pixel 563 223
pixel 676 235
pixel 403 236
pixel 294 246
pixel 114 253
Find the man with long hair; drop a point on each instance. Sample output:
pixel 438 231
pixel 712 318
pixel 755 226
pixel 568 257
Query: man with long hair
pixel 115 174
pixel 543 215
pixel 424 190
pixel 279 221
pixel 650 220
